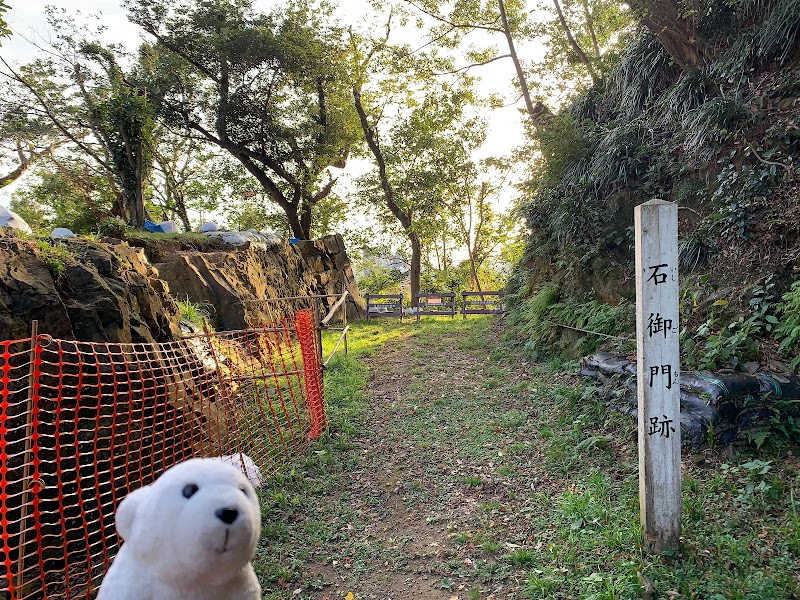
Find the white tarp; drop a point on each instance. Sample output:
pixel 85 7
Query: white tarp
pixel 8 218
pixel 168 226
pixel 239 238
pixel 60 233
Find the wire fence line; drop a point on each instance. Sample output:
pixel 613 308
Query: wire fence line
pixel 82 424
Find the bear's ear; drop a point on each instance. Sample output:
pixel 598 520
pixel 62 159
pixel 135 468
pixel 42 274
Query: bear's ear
pixel 126 511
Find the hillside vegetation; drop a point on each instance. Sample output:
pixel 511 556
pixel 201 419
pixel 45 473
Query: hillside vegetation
pixel 719 135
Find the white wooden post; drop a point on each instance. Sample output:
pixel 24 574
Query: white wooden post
pixel 658 369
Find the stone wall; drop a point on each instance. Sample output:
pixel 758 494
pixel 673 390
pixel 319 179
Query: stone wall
pixel 89 291
pixel 233 283
pixel 111 291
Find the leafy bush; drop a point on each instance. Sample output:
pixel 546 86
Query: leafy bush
pixel 112 228
pixel 725 341
pixel 740 191
pixel 55 255
pixel 789 327
pixel 380 280
pixel 539 323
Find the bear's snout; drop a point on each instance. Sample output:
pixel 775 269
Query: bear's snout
pixel 227 515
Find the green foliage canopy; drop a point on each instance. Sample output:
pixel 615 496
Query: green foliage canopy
pixel 270 89
pixel 78 90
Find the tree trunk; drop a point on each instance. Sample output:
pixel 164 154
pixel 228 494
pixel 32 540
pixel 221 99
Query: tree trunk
pixel 180 208
pixel 295 224
pixel 573 43
pixel 539 114
pixel 474 270
pixel 132 209
pixel 678 35
pixel 416 265
pixel 305 223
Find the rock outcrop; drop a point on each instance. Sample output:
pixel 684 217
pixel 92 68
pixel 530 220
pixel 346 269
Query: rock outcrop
pixel 240 284
pixel 87 290
pixel 110 292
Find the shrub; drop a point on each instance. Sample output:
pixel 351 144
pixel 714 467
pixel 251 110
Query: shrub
pixel 539 323
pixel 55 255
pixel 789 326
pixel 112 228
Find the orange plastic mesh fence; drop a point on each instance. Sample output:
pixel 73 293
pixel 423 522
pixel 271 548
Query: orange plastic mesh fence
pixel 309 344
pixel 82 424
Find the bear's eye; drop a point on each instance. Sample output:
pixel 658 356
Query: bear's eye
pixel 189 490
pixel 244 490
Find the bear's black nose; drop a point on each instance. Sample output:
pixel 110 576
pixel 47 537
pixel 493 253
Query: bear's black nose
pixel 227 515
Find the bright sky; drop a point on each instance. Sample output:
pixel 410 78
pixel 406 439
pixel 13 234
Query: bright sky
pixel 27 19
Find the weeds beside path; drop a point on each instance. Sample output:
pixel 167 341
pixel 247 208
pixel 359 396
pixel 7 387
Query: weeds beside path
pixel 455 469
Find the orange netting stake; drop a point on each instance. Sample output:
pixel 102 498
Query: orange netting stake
pixel 5 380
pixel 312 372
pixel 82 424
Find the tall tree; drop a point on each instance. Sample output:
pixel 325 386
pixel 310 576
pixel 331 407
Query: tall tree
pixel 415 157
pixel 674 23
pixel 580 38
pixel 81 91
pixel 576 35
pixel 183 177
pixel 479 227
pixel 503 17
pixel 270 89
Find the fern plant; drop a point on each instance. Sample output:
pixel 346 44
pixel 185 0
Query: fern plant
pixel 789 327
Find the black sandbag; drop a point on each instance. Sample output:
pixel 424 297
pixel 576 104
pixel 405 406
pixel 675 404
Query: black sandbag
pixel 719 385
pixel 724 404
pixel 609 363
pixel 754 415
pixel 697 419
pixel 779 386
pixel 625 402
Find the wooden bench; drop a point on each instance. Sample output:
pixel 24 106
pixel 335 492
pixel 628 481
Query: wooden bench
pixel 482 303
pixel 384 305
pixel 436 305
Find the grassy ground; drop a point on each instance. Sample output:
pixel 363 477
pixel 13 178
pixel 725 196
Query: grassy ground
pixel 453 468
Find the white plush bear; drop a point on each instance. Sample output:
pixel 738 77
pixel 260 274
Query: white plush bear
pixel 246 465
pixel 188 536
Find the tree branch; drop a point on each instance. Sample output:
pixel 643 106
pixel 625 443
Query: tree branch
pixel 55 120
pixel 26 162
pixel 372 142
pixel 477 64
pixel 149 28
pixel 442 19
pixel 323 193
pixel 573 43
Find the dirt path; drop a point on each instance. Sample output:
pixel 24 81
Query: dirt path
pixel 467 473
pixel 437 499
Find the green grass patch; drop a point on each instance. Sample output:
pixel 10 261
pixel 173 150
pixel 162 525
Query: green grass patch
pixel 532 485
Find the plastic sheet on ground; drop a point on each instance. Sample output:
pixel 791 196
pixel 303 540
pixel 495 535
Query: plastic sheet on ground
pixel 60 233
pixel 251 236
pixel 162 227
pixel 8 218
pixel 723 406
